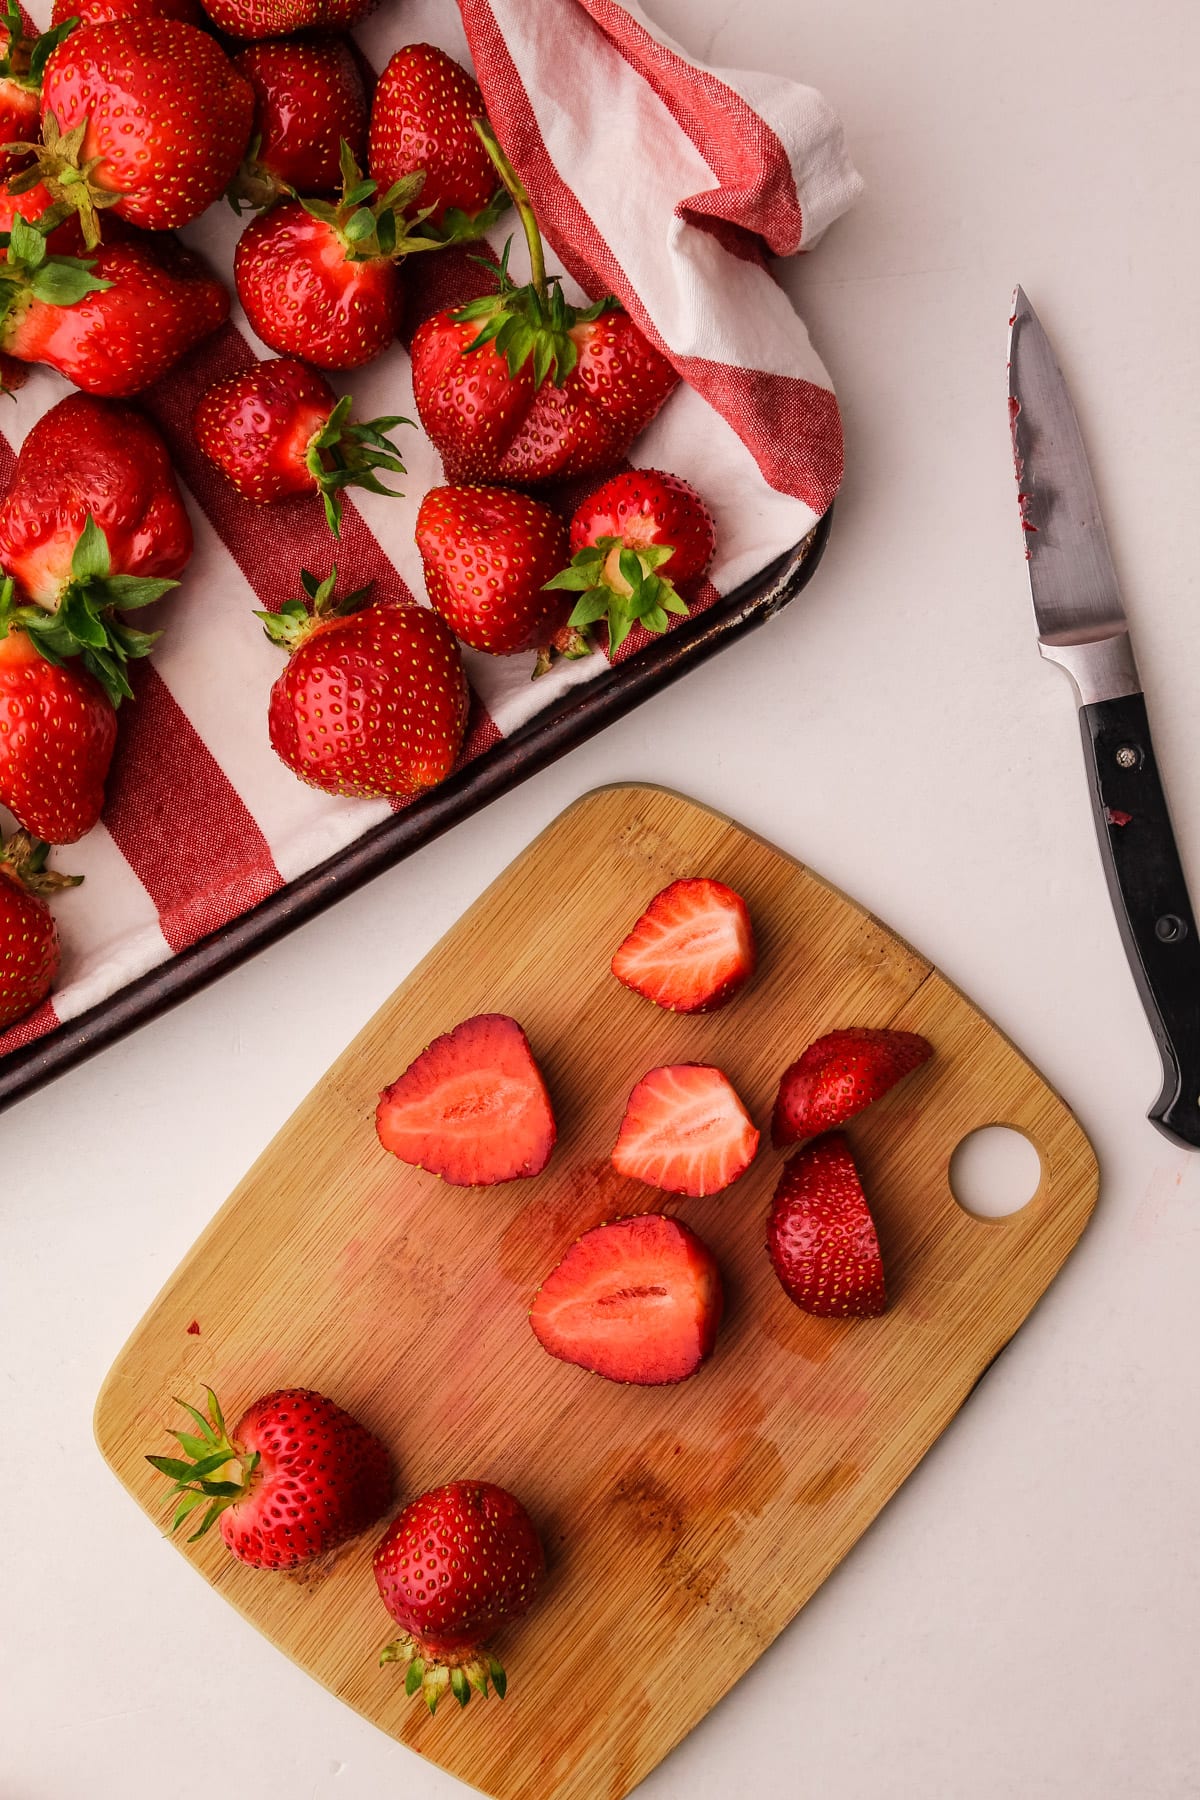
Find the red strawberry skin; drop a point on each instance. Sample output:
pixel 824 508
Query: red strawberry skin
pixel 167 114
pixel 308 97
pixel 840 1075
pixel 488 553
pixel 279 18
pixel 421 119
pixel 64 240
pixel 305 298
pixel 20 110
pixel 374 703
pixel 322 1479
pixel 29 948
pixel 692 949
pixel 103 12
pixel 644 507
pixel 490 426
pixel 58 730
pixel 161 302
pixel 821 1238
pixel 456 1564
pixel 90 456
pixel 685 1131
pixel 637 1300
pixel 257 424
pixel 472 1108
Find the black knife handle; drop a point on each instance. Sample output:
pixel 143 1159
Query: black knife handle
pixel 1150 898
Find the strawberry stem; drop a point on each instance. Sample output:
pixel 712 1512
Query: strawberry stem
pixel 23 859
pixel 521 200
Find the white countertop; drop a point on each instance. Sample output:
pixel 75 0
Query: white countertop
pixel 1024 1618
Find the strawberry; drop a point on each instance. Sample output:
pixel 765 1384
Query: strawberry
pixel 279 18
pixel 821 1237
pixel 488 553
pixel 519 387
pixel 472 1108
pixel 318 278
pixel 58 730
pixel 63 236
pixel 692 949
pixel 453 1567
pixel 22 63
pixel 278 428
pixel 636 1300
pixel 621 537
pixel 840 1075
pixel 309 99
pixel 295 1478
pixel 29 949
pixel 103 12
pixel 114 323
pixel 146 115
pixel 686 1131
pixel 373 699
pixel 422 119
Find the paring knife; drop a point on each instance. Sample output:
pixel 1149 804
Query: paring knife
pixel 1082 626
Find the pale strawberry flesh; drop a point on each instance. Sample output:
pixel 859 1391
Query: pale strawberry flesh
pixel 691 950
pixel 637 1300
pixel 472 1108
pixel 840 1075
pixel 685 1131
pixel 820 1236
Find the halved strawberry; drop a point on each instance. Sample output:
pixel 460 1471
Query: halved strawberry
pixel 692 948
pixel 840 1075
pixel 472 1108
pixel 685 1130
pixel 637 1300
pixel 821 1237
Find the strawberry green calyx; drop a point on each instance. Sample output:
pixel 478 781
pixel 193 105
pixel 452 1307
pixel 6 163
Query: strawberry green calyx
pixel 345 454
pixel 621 585
pixel 370 224
pixel 535 321
pixel 84 622
pixel 433 1674
pixel 254 185
pixel 23 61
pixel 29 272
pixel 70 183
pixel 203 1473
pixel 23 859
pixel 297 618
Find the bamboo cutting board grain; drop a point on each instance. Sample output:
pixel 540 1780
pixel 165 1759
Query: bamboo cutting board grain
pixel 685 1526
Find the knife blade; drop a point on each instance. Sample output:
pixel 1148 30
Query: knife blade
pixel 1081 625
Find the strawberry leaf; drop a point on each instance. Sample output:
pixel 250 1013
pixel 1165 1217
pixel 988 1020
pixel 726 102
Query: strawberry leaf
pixel 63 281
pixel 90 559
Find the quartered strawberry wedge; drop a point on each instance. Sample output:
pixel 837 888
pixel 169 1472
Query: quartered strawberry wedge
pixel 841 1075
pixel 692 948
pixel 638 1300
pixel 686 1131
pixel 821 1237
pixel 472 1108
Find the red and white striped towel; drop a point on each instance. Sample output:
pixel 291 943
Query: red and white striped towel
pixel 671 205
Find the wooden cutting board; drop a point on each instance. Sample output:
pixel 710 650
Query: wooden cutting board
pixel 685 1526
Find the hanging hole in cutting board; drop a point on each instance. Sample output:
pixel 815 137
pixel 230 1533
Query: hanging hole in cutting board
pixel 995 1171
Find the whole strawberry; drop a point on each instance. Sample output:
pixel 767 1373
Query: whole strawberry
pixel 519 387
pixel 145 115
pixel 278 428
pixel 319 278
pixel 279 18
pixel 422 120
pixel 296 1477
pixel 373 699
pixel 489 554
pixel 29 950
pixel 453 1567
pixel 58 730
pixel 114 322
pixel 103 12
pixel 22 62
pixel 621 537
pixel 309 99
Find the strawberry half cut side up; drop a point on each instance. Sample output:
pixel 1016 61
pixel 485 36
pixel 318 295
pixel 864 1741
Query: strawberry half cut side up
pixel 839 1075
pixel 472 1108
pixel 296 1477
pixel 29 949
pixel 637 1300
pixel 692 949
pixel 821 1237
pixel 685 1131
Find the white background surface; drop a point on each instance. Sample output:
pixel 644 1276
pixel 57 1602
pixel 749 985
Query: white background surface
pixel 1022 1620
